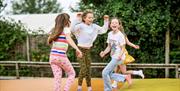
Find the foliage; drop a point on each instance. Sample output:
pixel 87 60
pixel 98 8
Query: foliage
pixel 40 52
pixel 11 34
pixel 175 33
pixel 2 5
pixel 175 52
pixel 36 6
pixel 145 23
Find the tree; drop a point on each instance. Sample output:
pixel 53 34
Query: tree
pixel 12 34
pixel 145 23
pixel 2 6
pixel 36 6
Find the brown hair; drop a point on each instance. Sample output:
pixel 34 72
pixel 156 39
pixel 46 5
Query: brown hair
pixel 85 14
pixel 120 23
pixel 61 21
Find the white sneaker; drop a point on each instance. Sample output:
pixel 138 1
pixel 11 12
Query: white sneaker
pixel 114 85
pixel 141 74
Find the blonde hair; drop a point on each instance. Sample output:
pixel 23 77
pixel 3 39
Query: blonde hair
pixel 85 14
pixel 120 23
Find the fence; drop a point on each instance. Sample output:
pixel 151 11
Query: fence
pixel 18 64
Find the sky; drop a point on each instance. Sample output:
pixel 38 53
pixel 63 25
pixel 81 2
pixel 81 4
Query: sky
pixel 41 21
pixel 64 4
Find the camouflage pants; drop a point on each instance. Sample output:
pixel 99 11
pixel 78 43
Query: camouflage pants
pixel 85 67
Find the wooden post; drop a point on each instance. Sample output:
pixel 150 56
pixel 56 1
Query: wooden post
pixel 27 48
pixel 17 71
pixel 167 50
pixel 177 71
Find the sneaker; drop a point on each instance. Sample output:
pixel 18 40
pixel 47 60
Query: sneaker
pixel 141 74
pixel 129 80
pixel 114 85
pixel 89 89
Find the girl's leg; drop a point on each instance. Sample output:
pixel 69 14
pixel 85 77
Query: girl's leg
pixel 117 69
pixel 107 75
pixel 82 72
pixel 57 72
pixel 88 71
pixel 68 68
pixel 85 69
pixel 62 63
pixel 122 68
pixel 136 72
pixel 133 72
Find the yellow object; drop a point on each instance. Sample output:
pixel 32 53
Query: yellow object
pixel 128 59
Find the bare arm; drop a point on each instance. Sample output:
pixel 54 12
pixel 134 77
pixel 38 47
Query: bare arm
pixel 71 42
pixel 131 44
pixel 107 50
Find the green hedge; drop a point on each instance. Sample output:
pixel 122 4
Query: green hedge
pixel 12 34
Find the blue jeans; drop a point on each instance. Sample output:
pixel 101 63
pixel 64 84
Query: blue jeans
pixel 108 74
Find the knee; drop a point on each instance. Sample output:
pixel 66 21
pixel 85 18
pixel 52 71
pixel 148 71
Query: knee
pixel 72 73
pixel 123 72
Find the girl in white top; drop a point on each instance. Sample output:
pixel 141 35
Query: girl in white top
pixel 122 67
pixel 86 32
pixel 116 44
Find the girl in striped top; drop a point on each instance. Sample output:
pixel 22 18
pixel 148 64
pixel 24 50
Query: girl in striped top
pixel 60 38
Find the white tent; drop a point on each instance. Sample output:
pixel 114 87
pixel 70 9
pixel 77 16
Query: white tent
pixel 36 22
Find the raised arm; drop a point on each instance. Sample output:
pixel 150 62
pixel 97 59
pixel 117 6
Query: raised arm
pixel 76 30
pixel 105 27
pixel 76 21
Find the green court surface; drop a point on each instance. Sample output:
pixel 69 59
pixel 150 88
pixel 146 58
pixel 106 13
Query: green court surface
pixel 153 85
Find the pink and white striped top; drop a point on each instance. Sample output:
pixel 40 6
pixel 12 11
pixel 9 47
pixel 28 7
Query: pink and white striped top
pixel 60 45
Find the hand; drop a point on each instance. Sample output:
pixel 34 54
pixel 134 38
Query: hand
pixel 79 14
pixel 48 41
pixel 102 54
pixel 79 53
pixel 120 57
pixel 136 47
pixel 106 18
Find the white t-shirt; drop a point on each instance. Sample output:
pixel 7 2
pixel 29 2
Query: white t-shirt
pixel 116 40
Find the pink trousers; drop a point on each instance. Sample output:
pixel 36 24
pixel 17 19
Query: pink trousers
pixel 58 64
